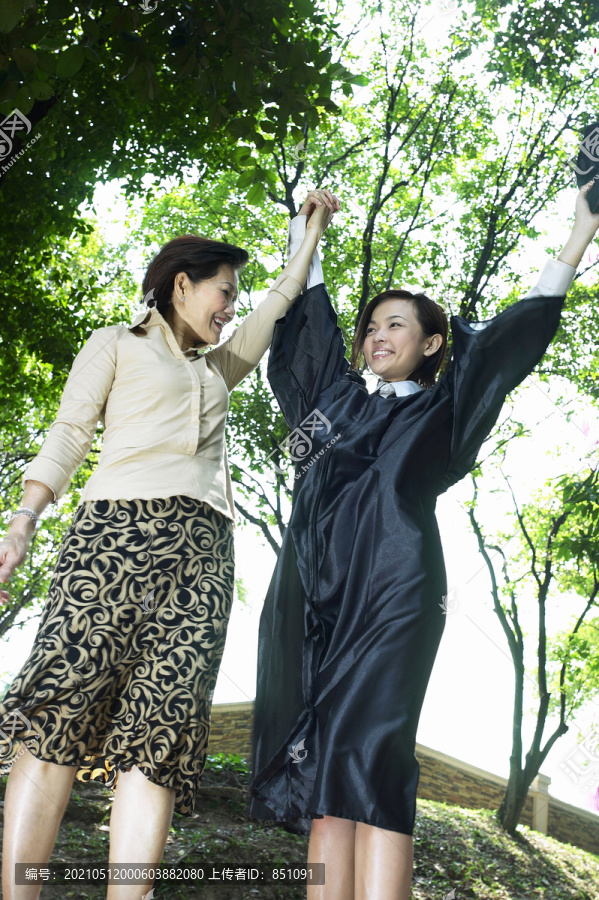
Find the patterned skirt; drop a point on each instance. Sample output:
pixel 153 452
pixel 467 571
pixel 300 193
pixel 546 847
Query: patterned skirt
pixel 131 636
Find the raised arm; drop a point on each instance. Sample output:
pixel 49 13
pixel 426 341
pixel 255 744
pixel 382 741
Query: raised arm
pixel 489 359
pixel 583 231
pixel 297 231
pixel 238 356
pixel 558 274
pixel 307 354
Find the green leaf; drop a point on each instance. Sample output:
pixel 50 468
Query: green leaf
pixel 10 13
pixel 92 55
pixel 328 104
pixel 24 100
pixel 241 154
pixel 239 128
pixel 25 58
pixel 46 61
pixel 41 90
pixel 361 80
pixel 256 193
pixel 246 178
pixel 91 29
pixel 59 9
pixel 70 61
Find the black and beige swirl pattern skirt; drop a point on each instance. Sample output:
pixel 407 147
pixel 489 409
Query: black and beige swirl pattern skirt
pixel 131 636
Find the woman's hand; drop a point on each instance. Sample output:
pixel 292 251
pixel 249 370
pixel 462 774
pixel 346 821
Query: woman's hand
pixel 586 223
pixel 585 227
pixel 320 206
pixel 13 551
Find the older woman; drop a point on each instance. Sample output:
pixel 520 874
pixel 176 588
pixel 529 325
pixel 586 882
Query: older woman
pixel 354 614
pixel 118 686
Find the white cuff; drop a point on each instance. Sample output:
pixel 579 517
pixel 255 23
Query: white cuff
pixel 297 231
pixel 554 280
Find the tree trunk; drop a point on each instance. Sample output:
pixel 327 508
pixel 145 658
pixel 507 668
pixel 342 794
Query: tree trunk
pixel 513 802
pixel 518 784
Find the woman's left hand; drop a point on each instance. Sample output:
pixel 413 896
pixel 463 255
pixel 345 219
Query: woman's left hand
pixel 317 199
pixel 586 223
pixel 585 227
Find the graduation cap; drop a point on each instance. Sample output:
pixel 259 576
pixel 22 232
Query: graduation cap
pixel 587 163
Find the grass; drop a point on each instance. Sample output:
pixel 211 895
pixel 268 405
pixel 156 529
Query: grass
pixel 468 850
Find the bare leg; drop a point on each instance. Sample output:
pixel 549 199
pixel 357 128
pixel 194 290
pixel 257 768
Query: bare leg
pixel 139 826
pixel 37 794
pixel 384 862
pixel 332 843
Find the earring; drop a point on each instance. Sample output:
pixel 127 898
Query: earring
pixel 183 297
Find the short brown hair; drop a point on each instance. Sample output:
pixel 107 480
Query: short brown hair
pixel 199 257
pixel 431 318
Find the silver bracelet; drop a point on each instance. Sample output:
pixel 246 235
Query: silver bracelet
pixel 24 511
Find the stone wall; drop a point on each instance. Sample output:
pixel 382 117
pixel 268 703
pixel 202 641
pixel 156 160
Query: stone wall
pixel 231 728
pixel 442 778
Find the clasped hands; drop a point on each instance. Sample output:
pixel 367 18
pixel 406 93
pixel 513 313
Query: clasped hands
pixel 319 206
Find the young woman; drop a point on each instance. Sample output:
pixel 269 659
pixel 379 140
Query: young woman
pixel 118 686
pixel 354 613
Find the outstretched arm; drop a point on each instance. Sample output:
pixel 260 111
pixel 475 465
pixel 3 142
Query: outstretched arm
pixel 307 353
pixel 238 356
pixel 558 274
pixel 489 361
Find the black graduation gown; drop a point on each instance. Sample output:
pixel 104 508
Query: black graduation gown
pixel 354 612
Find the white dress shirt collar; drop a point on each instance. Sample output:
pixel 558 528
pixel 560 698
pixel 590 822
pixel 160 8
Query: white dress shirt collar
pixel 401 388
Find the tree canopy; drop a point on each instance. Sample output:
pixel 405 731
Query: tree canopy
pixel 116 93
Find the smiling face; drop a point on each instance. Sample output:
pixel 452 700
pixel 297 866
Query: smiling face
pixel 395 345
pixel 209 305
